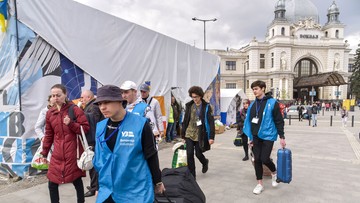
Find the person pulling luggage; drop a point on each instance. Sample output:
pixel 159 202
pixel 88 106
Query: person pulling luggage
pixel 262 125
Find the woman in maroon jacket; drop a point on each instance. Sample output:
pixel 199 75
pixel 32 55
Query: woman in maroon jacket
pixel 61 130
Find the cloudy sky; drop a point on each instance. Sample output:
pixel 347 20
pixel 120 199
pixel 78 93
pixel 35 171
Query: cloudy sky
pixel 238 20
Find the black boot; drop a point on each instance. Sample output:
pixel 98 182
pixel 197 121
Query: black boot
pixel 205 166
pixel 246 158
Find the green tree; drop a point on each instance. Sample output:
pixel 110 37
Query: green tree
pixel 355 77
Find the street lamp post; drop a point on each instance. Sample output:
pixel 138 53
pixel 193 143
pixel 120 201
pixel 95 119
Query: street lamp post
pixel 204 21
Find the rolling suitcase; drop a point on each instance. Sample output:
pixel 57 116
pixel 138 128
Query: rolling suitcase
pixel 284 166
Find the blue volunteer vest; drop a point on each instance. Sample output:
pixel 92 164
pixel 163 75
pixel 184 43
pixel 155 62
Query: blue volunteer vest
pixel 267 130
pixel 124 173
pixel 140 109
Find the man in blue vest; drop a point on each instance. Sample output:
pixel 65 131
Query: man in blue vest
pixel 126 158
pixel 135 104
pixel 262 125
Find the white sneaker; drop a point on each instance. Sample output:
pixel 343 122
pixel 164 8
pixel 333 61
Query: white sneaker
pixel 273 180
pixel 258 189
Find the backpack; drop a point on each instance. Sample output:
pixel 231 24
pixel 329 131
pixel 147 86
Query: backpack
pixel 90 135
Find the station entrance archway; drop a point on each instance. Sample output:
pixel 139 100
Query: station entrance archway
pixel 305 84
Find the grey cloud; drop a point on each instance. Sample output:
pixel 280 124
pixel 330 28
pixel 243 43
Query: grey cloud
pixel 238 20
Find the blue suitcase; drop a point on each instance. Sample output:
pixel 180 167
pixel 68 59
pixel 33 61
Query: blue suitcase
pixel 284 166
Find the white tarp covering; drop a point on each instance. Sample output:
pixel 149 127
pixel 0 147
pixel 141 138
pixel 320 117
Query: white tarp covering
pixel 113 50
pixel 74 38
pixel 230 102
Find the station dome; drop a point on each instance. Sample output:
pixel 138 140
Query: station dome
pixel 299 10
pixel 280 4
pixel 333 8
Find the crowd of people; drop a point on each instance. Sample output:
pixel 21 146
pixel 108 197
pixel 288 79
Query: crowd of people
pixel 119 122
pixel 124 129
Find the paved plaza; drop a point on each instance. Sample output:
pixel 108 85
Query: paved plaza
pixel 326 168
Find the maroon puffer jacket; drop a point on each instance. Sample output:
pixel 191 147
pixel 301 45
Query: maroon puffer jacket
pixel 63 164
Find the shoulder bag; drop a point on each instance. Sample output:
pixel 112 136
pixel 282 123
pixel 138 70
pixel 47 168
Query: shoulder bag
pixel 85 160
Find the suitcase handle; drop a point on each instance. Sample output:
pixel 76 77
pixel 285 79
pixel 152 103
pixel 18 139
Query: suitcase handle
pixel 167 197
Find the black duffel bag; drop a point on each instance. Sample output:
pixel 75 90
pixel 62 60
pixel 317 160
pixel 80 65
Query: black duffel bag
pixel 180 186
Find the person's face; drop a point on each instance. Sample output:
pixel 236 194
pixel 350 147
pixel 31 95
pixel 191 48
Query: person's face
pixel 258 92
pixel 85 98
pixel 129 95
pixel 196 98
pixel 144 94
pixel 173 100
pixel 246 105
pixel 58 95
pixel 110 109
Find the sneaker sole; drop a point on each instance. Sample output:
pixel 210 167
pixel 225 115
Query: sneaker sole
pixel 259 192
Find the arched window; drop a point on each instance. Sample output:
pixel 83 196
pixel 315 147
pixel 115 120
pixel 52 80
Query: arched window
pixel 326 34
pixel 337 33
pixel 305 67
pixel 273 32
pixel 283 31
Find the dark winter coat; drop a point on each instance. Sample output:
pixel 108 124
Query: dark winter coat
pixel 202 137
pixel 94 110
pixel 240 118
pixel 63 164
pixel 93 115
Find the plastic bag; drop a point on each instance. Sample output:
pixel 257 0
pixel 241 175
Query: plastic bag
pixel 179 157
pixel 39 162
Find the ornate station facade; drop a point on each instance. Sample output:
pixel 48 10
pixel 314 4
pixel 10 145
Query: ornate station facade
pixel 299 59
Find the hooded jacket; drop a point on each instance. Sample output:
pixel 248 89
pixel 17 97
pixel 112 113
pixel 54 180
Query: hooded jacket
pixel 63 164
pixel 270 123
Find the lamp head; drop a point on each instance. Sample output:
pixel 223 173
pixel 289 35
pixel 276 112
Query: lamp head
pixel 194 18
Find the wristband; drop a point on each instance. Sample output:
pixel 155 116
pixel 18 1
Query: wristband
pixel 159 183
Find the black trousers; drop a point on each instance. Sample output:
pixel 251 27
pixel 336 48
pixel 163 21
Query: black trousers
pixel 93 179
pixel 262 151
pixel 245 144
pixel 190 147
pixel 54 191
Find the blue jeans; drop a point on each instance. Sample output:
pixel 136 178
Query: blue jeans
pixel 170 132
pixel 314 119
